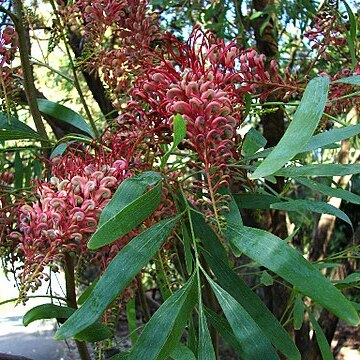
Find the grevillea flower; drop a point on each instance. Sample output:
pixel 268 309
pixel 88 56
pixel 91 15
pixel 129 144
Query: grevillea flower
pixel 66 213
pixel 133 32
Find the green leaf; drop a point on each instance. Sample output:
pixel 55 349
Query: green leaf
pixel 253 305
pixel 354 277
pixel 276 255
pixel 64 114
pixel 351 35
pixel 182 352
pixel 324 346
pixel 86 293
pixel 131 319
pixel 266 278
pixel 13 129
pixel 331 136
pixel 255 344
pixel 60 149
pixel 253 141
pixel 47 311
pixel 125 194
pixel 298 312
pixel 320 140
pixel 205 347
pixel 313 206
pixel 353 80
pixel 95 332
pixel 319 170
pixel 122 269
pixel 127 209
pixel 222 326
pixel 330 191
pixel 255 201
pixel 305 121
pixel 179 136
pixel 19 171
pixel 166 326
pixel 209 239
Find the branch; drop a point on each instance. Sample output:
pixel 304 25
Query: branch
pixel 29 86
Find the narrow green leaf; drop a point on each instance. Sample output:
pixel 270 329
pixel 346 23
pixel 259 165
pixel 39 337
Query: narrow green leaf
pixel 179 130
pixel 298 312
pixel 187 249
pixel 166 326
pixel 352 20
pixel 351 46
pixel 352 278
pixel 60 149
pixel 122 269
pixel 255 344
pixel 205 348
pixel 209 239
pixel 305 121
pixel 253 141
pixel 325 138
pixel 125 194
pixel 275 254
pixel 13 129
pixel 329 137
pixel 122 217
pixel 324 346
pixel 86 293
pixel 64 114
pixel 131 319
pixel 47 311
pixel 255 201
pixel 182 352
pixel 254 306
pixel 330 191
pixel 319 170
pixel 353 80
pixel 313 206
pixel 179 136
pixel 19 171
pixel 93 333
pixel 222 326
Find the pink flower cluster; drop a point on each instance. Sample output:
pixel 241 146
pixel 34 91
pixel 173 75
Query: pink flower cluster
pixel 132 28
pixel 328 30
pixel 65 215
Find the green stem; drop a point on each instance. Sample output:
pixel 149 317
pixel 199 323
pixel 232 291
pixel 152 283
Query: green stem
pixel 143 301
pixel 71 300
